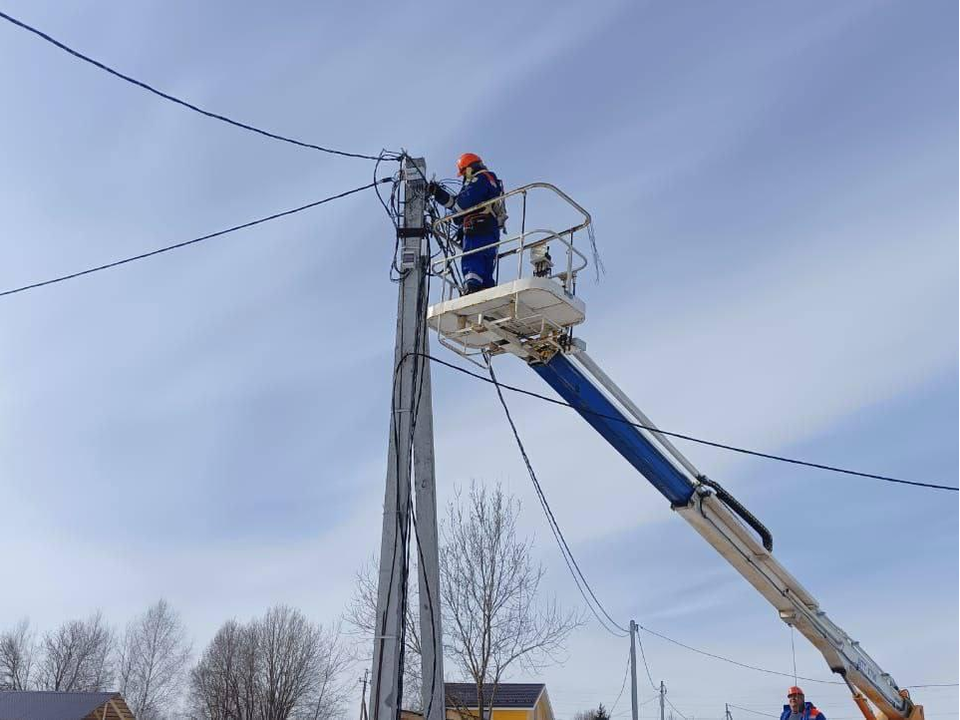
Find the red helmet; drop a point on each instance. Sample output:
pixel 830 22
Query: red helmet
pixel 465 161
pixel 794 691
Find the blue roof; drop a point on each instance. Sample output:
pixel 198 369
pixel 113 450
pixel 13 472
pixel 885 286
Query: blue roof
pixel 509 695
pixel 43 705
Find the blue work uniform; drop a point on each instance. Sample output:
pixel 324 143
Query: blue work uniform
pixel 480 229
pixel 809 712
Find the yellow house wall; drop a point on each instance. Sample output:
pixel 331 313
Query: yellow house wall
pixel 498 714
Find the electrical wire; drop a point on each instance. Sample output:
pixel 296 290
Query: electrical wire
pixel 643 656
pixel 701 441
pixel 603 617
pixel 755 712
pixel 674 707
pixel 178 101
pixel 733 662
pixel 574 568
pixel 622 686
pixel 177 246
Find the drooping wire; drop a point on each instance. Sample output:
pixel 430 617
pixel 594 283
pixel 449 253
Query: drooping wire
pixel 733 662
pixel 593 603
pixel 171 98
pixel 626 672
pixel 701 441
pixel 674 707
pixel 177 246
pixel 643 656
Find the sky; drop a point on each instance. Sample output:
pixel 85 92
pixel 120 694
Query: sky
pixel 774 191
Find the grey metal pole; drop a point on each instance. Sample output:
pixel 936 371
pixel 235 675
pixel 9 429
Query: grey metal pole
pixel 633 669
pixel 414 255
pixel 663 692
pixel 425 484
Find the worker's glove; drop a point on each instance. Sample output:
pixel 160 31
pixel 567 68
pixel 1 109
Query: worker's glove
pixel 437 191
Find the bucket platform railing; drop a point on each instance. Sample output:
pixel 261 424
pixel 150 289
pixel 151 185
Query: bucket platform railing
pixel 532 308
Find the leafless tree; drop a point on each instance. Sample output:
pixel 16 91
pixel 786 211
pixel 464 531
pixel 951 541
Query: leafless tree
pixel 77 656
pixel 490 587
pixel 17 652
pixel 492 614
pixel 152 662
pixel 276 667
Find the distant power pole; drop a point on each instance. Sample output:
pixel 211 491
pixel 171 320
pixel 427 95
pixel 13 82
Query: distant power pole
pixel 633 669
pixel 663 693
pixel 410 446
pixel 363 694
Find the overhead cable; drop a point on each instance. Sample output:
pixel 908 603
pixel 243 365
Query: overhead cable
pixel 733 662
pixel 185 243
pixel 178 101
pixel 622 686
pixel 701 441
pixel 593 603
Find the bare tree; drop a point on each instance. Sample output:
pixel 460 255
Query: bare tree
pixel 277 667
pixel 17 651
pixel 77 656
pixel 152 662
pixel 490 587
pixel 492 615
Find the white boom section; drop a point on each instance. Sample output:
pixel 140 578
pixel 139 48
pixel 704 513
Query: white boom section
pixel 738 544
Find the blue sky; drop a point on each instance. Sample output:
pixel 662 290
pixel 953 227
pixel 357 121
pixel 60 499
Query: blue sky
pixel 774 188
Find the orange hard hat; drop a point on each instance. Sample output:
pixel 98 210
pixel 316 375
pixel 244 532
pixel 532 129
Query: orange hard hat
pixel 465 161
pixel 794 691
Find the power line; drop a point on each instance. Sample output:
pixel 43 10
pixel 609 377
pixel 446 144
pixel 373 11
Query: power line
pixel 755 712
pixel 665 697
pixel 643 656
pixel 622 686
pixel 701 441
pixel 606 621
pixel 733 662
pixel 565 549
pixel 178 101
pixel 185 243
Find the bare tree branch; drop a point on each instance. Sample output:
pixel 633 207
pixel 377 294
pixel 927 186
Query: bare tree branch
pixel 17 654
pixel 77 656
pixel 152 662
pixel 276 667
pixel 493 617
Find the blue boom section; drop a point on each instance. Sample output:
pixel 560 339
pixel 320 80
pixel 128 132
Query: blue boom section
pixel 616 429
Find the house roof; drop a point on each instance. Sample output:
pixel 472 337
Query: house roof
pixel 509 695
pixel 43 705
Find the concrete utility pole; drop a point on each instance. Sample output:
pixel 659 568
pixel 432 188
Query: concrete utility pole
pixel 633 669
pixel 410 444
pixel 663 692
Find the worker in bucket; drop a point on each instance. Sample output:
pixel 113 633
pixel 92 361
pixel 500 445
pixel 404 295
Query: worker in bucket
pixel 798 709
pixel 481 229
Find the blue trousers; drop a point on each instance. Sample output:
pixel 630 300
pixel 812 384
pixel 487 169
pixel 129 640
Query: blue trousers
pixel 479 268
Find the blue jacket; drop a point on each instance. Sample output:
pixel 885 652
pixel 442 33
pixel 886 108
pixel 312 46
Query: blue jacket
pixel 483 186
pixel 809 712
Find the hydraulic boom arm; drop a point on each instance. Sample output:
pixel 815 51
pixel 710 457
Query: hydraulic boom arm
pixel 723 522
